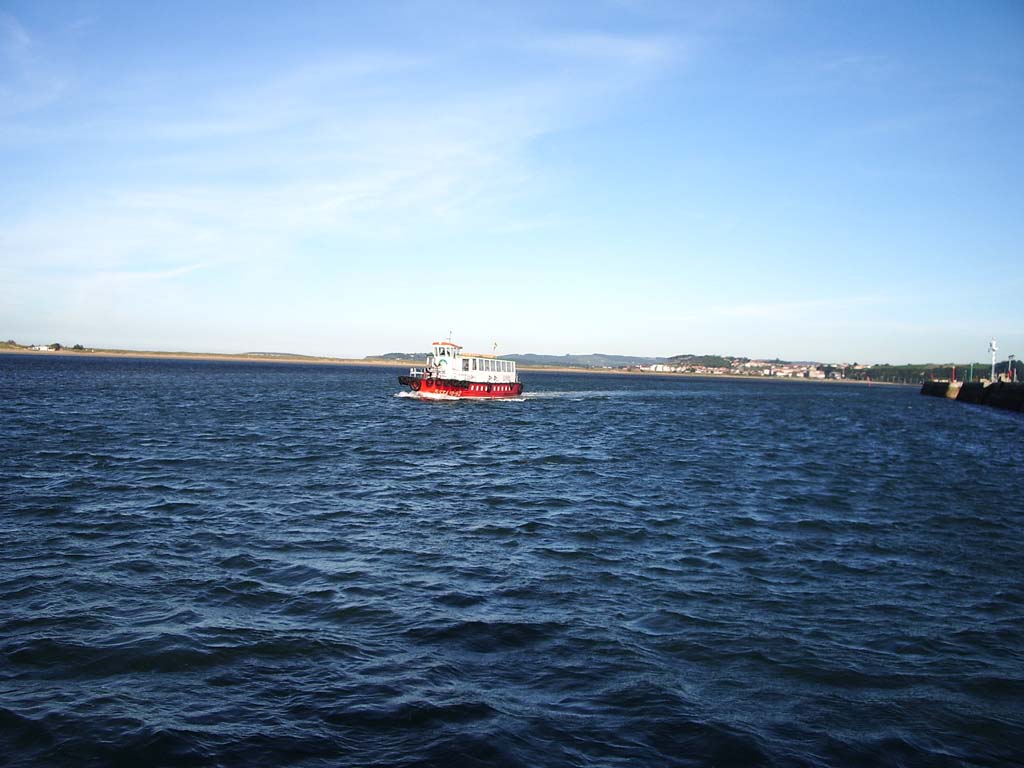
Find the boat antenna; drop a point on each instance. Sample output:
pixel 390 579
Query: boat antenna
pixel 494 348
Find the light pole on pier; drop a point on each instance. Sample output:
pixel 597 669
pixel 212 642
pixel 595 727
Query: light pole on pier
pixel 993 349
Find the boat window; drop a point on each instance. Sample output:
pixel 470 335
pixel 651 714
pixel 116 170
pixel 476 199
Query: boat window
pixel 465 364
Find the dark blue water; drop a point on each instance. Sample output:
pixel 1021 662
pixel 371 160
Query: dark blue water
pixel 265 565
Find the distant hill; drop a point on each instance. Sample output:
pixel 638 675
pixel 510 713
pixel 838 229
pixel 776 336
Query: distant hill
pixel 593 360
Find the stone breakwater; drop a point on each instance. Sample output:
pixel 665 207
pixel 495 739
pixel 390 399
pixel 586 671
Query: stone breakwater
pixel 1001 394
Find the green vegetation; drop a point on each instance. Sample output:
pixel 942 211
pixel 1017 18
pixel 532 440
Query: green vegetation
pixel 914 373
pixel 706 361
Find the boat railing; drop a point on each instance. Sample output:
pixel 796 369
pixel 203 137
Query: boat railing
pixel 416 372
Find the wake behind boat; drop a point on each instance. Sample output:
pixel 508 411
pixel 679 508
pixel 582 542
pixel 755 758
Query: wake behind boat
pixel 450 373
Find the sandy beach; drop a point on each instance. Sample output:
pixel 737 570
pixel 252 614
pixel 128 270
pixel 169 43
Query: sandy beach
pixel 242 358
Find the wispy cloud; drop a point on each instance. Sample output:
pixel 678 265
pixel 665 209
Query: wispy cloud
pixel 14 40
pixel 620 49
pixel 866 67
pixel 149 276
pixel 794 310
pixel 26 83
pixel 371 143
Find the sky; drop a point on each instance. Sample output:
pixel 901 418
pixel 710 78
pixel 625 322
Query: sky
pixel 802 180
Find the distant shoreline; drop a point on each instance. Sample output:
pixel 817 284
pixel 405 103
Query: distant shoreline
pixel 364 362
pixel 225 357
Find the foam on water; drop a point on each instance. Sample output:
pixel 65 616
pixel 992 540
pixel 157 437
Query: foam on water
pixel 442 397
pixel 583 394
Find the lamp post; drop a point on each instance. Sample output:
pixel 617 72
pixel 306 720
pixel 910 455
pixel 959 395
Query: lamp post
pixel 993 349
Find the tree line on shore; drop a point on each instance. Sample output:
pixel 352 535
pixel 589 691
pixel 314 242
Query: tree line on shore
pixel 914 373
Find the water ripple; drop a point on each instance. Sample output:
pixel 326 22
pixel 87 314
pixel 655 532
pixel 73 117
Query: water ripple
pixel 243 564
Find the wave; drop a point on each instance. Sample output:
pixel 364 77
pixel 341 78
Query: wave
pixel 238 566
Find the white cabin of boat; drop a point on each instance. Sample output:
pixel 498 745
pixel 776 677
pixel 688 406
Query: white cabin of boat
pixel 447 361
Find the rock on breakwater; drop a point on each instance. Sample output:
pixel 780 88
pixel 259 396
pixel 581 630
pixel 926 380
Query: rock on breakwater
pixel 1001 394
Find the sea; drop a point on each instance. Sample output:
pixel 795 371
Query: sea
pixel 256 564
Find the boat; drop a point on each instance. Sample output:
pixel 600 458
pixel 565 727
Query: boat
pixel 450 373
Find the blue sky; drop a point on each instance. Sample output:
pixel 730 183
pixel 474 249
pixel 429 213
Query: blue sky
pixel 839 182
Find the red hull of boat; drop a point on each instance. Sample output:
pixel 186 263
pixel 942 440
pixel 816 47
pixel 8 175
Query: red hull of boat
pixel 460 389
